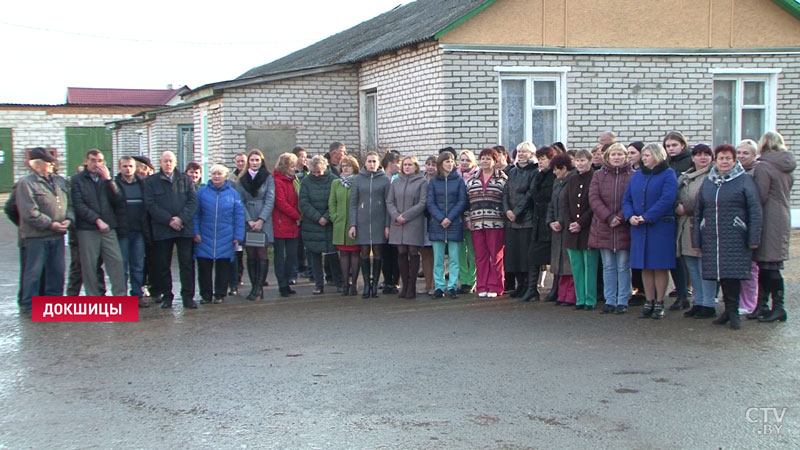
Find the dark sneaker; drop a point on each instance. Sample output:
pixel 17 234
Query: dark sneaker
pixel 621 309
pixel 607 309
pixel 438 293
pixel 452 293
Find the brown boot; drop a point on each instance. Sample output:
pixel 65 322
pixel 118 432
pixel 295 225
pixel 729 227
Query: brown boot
pixel 413 273
pixel 402 264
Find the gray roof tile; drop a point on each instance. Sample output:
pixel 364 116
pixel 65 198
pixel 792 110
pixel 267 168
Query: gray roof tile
pixel 402 26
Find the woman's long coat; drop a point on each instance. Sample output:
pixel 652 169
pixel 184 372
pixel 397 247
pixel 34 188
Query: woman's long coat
pixel 258 199
pixel 727 221
pixel 559 260
pixel 407 196
pixel 651 194
pixel 368 206
pixel 773 177
pixel 218 220
pixel 447 198
pixel 339 209
pixel 605 197
pixel 315 191
pixel 576 208
pixel 688 186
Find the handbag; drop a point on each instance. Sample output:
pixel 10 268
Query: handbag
pixel 255 239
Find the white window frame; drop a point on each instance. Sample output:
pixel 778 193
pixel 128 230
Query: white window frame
pixel 741 75
pixel 529 75
pixel 364 94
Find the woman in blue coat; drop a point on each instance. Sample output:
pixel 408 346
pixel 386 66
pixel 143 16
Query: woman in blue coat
pixel 447 200
pixel 218 228
pixel 648 206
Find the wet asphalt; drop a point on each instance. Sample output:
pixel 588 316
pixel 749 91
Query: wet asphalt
pixel 332 372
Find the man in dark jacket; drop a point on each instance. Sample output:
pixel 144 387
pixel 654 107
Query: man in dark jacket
pixel 99 216
pixel 132 245
pixel 171 202
pixel 45 213
pixel 336 151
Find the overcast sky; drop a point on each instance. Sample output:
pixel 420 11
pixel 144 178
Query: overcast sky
pixel 146 44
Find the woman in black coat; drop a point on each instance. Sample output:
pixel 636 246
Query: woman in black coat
pixel 727 228
pixel 539 249
pixel 516 204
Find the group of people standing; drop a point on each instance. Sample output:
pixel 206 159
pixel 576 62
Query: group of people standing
pixel 618 216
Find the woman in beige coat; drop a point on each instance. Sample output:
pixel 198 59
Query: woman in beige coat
pixel 689 185
pixel 773 177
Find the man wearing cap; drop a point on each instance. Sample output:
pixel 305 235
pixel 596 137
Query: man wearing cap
pixel 171 201
pixel 99 218
pixel 132 245
pixel 144 168
pixel 45 213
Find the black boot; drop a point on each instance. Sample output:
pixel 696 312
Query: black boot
pixel 251 273
pixel 522 284
pixel 365 272
pixel 553 294
pixel 762 304
pixel 723 318
pixel 778 312
pixel 257 280
pixel 647 309
pixel 532 290
pixel 264 281
pixel 376 276
pixel 658 310
pixel 680 303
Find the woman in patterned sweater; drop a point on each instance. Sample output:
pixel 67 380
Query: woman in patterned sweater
pixel 487 224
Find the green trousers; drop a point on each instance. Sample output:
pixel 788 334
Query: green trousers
pixel 584 273
pixel 467 273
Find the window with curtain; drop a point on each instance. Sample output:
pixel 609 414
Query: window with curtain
pixel 742 108
pixel 530 109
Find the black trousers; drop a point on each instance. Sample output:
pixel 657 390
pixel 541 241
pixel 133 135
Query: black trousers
pixel 162 265
pixel 391 271
pixel 222 271
pixel 285 260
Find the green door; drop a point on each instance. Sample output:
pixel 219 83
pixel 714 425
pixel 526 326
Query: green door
pixel 82 139
pixel 6 161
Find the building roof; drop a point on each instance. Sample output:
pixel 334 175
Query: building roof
pixel 405 25
pixel 121 97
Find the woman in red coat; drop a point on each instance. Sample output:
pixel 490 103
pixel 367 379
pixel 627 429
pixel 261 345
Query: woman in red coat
pixel 285 217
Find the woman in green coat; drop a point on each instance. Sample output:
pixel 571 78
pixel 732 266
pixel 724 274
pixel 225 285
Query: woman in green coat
pixel 315 225
pixel 339 210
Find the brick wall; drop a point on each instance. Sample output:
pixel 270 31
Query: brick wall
pixel 410 97
pixel 320 108
pixel 45 127
pixel 125 139
pixel 639 97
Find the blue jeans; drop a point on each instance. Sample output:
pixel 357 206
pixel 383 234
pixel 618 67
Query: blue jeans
pixel 704 290
pixel 454 250
pixel 42 257
pixel 132 247
pixel 616 276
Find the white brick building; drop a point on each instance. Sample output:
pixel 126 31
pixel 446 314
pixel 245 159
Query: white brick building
pixel 472 74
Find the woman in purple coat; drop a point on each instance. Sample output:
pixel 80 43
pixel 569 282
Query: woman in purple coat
pixel 609 232
pixel 648 206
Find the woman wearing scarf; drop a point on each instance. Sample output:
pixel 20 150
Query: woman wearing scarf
pixel 257 191
pixel 727 228
pixel 339 209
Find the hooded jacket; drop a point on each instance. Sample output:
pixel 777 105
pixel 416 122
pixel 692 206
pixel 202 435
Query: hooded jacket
pixel 447 198
pixel 218 220
pixel 774 180
pixel 407 197
pixel 605 198
pixel 368 206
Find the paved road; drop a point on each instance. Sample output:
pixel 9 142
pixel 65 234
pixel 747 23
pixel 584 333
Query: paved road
pixel 341 372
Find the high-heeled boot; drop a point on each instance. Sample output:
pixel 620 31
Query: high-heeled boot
pixel 402 264
pixel 365 272
pixel 258 283
pixel 413 273
pixel 251 273
pixel 778 312
pixel 376 276
pixel 762 304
